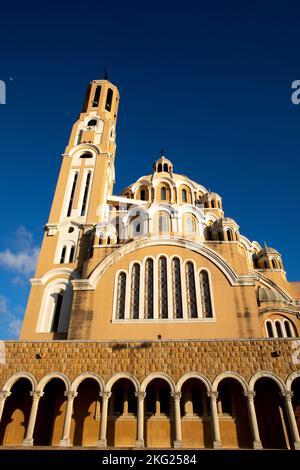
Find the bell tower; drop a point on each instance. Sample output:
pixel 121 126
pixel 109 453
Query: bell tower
pixel 80 203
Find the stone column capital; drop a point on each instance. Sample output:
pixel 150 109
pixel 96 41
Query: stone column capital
pixel 105 395
pixel 250 395
pixel 140 395
pixel 176 395
pixel 4 394
pixel 36 395
pixel 71 395
pixel 287 394
pixel 213 394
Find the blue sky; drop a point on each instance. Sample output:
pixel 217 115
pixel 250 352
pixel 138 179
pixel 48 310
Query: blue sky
pixel 210 82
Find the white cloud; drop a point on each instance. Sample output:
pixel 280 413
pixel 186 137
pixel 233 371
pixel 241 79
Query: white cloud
pixel 24 260
pixel 14 327
pixel 3 305
pixel 21 262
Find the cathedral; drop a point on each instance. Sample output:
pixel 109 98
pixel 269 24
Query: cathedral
pixel 152 322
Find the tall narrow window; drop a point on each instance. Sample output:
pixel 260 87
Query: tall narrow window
pixel 191 291
pixel 184 195
pixel 149 288
pixel 163 193
pixel 269 327
pixel 135 291
pixel 229 235
pixel 166 169
pixel 121 293
pixel 85 195
pixel 57 311
pixel 278 329
pixel 273 264
pixel 96 96
pixel 72 254
pixel 63 254
pixel 159 168
pixel 205 295
pixel 288 329
pixel 163 223
pixel 213 204
pixel 143 195
pixel 189 225
pixel 163 287
pixel 72 194
pixel 109 98
pixel 176 286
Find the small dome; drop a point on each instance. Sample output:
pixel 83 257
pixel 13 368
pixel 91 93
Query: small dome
pixel 163 164
pixel 266 251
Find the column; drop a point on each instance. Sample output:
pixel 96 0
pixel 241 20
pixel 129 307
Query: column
pixel 253 421
pixel 178 438
pixel 65 440
pixel 28 441
pixel 291 418
pixel 217 444
pixel 103 423
pixel 140 418
pixel 3 395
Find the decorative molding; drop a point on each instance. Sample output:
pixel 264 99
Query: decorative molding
pixel 200 248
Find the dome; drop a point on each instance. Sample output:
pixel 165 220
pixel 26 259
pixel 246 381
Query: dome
pixel 266 251
pixel 163 164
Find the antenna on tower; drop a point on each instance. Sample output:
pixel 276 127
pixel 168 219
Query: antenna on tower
pixel 105 73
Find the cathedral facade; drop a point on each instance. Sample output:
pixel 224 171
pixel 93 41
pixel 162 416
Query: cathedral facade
pixel 152 321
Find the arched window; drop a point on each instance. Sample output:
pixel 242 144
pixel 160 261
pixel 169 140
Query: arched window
pixel 184 195
pixel 288 329
pixel 213 204
pixel 163 223
pixel 149 288
pixel 205 295
pixel 269 328
pixel 108 241
pixel 229 235
pixel 85 195
pixel 189 225
pixel 109 98
pixel 224 400
pixel 135 291
pixel 176 287
pixel 63 254
pixel 191 290
pixel 86 155
pixel 72 254
pixel 57 311
pixel 96 96
pixel 273 264
pixel 72 194
pixel 219 205
pixel 143 195
pixel 163 193
pixel 166 167
pixel 159 168
pixel 278 329
pixel 121 294
pixel 163 287
pixel 92 122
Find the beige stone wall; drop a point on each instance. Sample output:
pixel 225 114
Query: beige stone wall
pixel 175 358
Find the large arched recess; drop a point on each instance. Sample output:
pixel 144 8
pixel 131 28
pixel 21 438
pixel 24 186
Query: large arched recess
pixel 225 284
